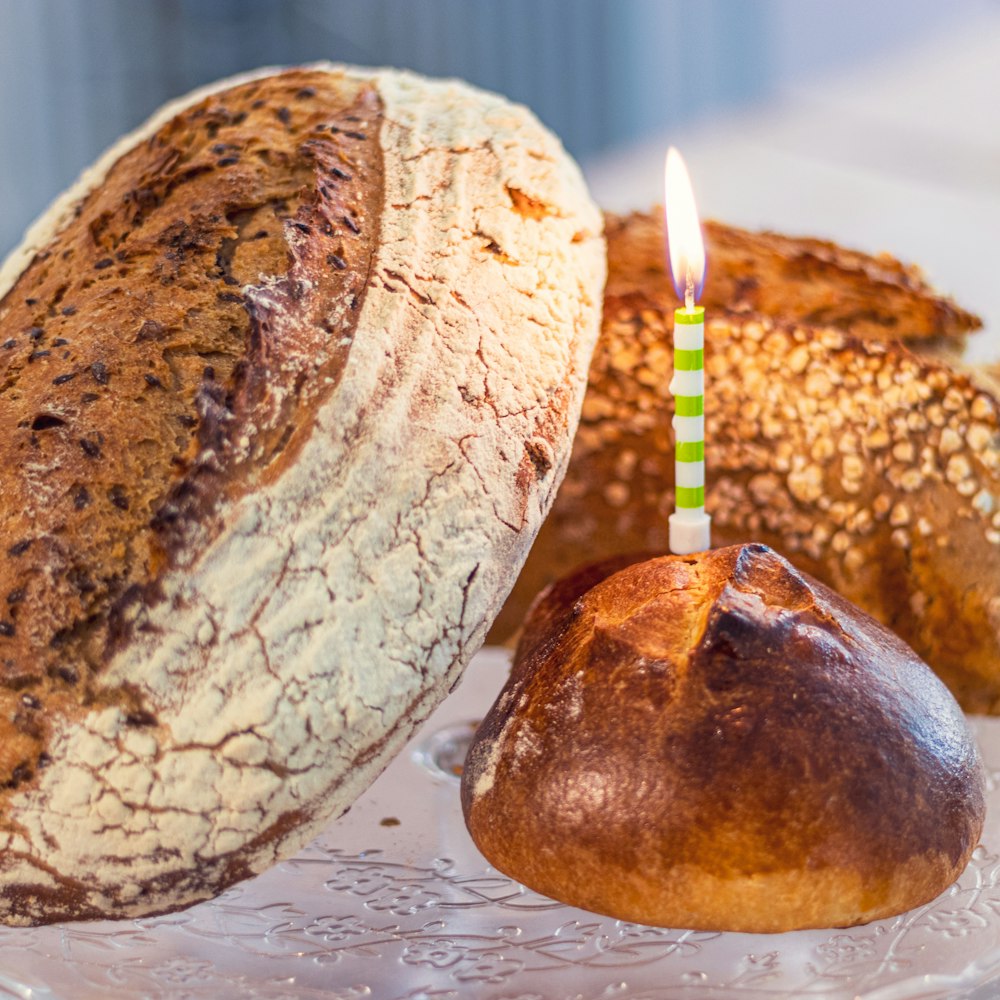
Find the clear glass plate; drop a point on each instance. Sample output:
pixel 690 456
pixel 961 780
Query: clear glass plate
pixel 393 901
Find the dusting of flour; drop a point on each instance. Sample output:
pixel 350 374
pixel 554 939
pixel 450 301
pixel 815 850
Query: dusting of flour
pixel 295 655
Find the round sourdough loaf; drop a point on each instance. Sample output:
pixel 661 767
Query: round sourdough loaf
pixel 288 382
pixel 720 742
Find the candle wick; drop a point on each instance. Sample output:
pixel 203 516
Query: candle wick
pixel 689 291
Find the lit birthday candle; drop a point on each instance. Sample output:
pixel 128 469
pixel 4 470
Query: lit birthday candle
pixel 690 526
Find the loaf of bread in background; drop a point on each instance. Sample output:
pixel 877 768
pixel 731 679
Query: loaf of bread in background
pixel 289 380
pixel 875 470
pixel 718 742
pixel 810 281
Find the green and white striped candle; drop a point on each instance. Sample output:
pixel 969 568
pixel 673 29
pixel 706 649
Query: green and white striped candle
pixel 690 526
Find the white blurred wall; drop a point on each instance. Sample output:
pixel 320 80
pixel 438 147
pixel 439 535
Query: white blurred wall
pixel 75 74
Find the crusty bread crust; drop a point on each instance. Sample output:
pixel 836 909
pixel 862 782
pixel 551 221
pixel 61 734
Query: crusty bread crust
pixel 386 420
pixel 871 468
pixel 150 310
pixel 719 742
pixel 808 280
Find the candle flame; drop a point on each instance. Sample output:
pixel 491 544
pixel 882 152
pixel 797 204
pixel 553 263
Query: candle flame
pixel 687 248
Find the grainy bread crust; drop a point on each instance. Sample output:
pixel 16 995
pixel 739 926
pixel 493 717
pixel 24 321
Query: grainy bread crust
pixel 719 742
pixel 363 477
pixel 871 468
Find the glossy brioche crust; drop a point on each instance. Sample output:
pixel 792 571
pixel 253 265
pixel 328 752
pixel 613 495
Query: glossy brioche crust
pixel 720 742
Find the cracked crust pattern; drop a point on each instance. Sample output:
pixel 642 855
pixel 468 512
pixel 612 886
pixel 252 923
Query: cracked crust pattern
pixel 311 618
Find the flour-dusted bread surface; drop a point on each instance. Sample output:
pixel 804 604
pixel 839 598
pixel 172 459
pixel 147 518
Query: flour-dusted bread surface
pixel 722 743
pixel 289 381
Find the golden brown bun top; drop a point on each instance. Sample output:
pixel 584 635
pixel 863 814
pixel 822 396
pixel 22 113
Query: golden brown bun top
pixel 726 712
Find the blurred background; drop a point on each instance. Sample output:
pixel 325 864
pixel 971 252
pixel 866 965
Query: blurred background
pixel 874 122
